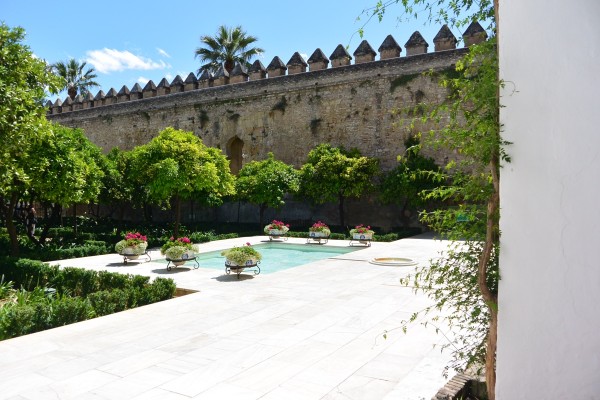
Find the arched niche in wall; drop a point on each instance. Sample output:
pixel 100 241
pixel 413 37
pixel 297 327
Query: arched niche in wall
pixel 234 154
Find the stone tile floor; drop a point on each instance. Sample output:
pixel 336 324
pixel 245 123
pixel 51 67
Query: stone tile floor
pixel 310 332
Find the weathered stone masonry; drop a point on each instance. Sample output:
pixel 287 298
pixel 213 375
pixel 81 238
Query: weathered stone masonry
pixel 348 105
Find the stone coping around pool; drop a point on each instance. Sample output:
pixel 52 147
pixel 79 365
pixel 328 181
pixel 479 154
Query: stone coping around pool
pixel 195 279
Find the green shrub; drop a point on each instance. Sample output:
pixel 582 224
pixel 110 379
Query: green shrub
pixel 67 310
pixel 161 289
pixel 99 243
pixel 21 319
pixel 16 320
pixel 28 273
pixel 76 281
pixel 112 280
pixel 107 302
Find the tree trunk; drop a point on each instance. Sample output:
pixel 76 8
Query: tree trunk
pixel 53 219
pixel 72 91
pixel 10 225
pixel 341 210
pixel 490 298
pixel 75 219
pixel 177 216
pixel 490 355
pixel 229 65
pixel 261 213
pixel 192 214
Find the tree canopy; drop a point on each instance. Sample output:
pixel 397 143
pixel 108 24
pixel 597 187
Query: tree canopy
pixel 332 174
pixel 227 47
pixel 414 174
pixel 176 165
pixel 24 80
pixel 266 183
pixel 66 168
pixel 74 79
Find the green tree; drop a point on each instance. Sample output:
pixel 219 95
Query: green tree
pixel 333 174
pixel 228 46
pixel 468 124
pixel 23 81
pixel 466 278
pixel 266 183
pixel 119 187
pixel 74 79
pixel 412 176
pixel 176 165
pixel 66 168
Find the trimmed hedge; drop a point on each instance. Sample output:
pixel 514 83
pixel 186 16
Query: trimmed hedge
pixel 80 294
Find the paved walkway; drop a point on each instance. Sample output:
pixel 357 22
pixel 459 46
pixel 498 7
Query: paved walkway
pixel 310 332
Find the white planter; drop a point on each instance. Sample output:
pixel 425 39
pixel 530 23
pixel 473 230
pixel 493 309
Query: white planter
pixel 187 255
pixel 362 236
pixel 276 232
pixel 133 252
pixel 234 265
pixel 318 234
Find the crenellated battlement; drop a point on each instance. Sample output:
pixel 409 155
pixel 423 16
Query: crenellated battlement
pixel 318 61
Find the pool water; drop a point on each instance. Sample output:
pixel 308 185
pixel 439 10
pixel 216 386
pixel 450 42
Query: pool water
pixel 275 256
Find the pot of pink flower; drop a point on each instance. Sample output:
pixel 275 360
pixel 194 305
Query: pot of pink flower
pixel 132 246
pixel 319 231
pixel 179 250
pixel 239 258
pixel 364 234
pixel 276 229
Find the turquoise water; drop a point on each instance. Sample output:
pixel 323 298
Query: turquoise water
pixel 275 256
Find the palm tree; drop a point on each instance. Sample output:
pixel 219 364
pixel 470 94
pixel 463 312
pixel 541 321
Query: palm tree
pixel 74 79
pixel 228 46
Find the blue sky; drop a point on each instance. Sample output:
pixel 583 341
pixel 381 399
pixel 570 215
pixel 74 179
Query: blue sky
pixel 131 41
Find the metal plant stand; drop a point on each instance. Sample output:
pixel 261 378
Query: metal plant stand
pixel 362 241
pixel 134 256
pixel 238 269
pixel 316 239
pixel 277 237
pixel 179 262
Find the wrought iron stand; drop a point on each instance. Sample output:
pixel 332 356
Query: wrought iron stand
pixel 177 263
pixel 238 269
pixel 316 239
pixel 277 237
pixel 134 256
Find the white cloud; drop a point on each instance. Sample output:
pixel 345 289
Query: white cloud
pixel 143 80
pixel 304 55
pixel 169 77
pixel 108 60
pixel 163 53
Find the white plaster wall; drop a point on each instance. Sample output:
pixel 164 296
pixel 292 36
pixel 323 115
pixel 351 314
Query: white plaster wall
pixel 549 321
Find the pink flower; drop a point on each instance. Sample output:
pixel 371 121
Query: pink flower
pixel 248 244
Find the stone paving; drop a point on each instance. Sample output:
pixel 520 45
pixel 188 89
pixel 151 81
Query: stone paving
pixel 309 332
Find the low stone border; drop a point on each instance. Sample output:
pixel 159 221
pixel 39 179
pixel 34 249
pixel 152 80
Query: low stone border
pixel 460 387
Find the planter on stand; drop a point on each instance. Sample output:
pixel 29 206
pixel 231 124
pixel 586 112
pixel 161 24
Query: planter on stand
pixel 318 237
pixel 277 234
pixel 188 255
pixel 133 253
pixel 362 238
pixel 232 266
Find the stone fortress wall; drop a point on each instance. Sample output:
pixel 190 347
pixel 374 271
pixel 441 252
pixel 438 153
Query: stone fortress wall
pixel 263 109
pixel 250 113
